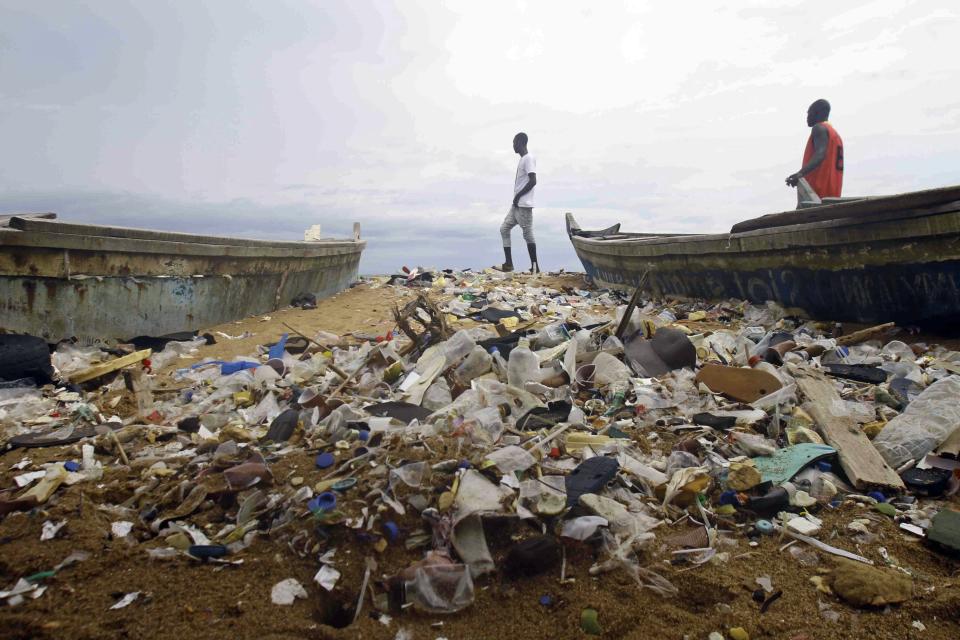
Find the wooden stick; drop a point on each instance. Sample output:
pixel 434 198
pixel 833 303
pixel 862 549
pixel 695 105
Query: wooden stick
pixel 123 454
pixel 864 334
pixel 337 370
pixel 634 300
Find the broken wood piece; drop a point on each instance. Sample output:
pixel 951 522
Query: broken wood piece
pixel 864 334
pixel 634 300
pixel 108 367
pixel 861 461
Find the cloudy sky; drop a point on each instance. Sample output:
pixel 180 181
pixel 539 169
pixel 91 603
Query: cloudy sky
pixel 261 118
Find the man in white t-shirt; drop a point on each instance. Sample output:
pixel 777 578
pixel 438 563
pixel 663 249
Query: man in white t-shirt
pixel 521 212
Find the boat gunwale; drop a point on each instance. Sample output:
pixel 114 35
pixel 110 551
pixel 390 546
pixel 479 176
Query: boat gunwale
pixel 29 224
pixel 682 239
pixel 109 244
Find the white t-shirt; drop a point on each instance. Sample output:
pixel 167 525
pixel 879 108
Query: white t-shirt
pixel 527 165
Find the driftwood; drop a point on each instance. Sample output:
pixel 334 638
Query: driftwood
pixel 864 334
pixel 421 311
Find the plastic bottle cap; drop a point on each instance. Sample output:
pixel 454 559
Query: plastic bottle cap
pixel 326 501
pixel 343 485
pixel 325 460
pixel 765 527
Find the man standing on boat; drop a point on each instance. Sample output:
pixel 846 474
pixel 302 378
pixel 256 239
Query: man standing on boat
pixel 822 170
pixel 521 211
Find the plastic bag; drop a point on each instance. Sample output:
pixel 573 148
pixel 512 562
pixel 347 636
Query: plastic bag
pixel 923 426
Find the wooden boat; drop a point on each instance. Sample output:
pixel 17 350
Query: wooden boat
pixel 892 258
pixel 60 280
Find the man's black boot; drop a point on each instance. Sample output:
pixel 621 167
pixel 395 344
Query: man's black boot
pixel 532 250
pixel 507 260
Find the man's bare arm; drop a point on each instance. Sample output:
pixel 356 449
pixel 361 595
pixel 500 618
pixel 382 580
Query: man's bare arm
pixel 820 139
pixel 531 183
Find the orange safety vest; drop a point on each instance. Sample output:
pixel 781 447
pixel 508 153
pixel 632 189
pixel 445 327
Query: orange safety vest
pixel 826 179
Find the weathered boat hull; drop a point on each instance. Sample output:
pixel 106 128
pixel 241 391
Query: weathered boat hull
pixel 62 281
pixel 901 266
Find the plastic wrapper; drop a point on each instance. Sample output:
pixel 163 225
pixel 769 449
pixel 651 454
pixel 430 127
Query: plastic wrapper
pixel 440 588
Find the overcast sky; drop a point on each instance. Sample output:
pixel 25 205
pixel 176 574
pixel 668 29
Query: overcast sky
pixel 262 118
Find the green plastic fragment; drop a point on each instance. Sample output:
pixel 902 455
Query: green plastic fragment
pixel 41 575
pixel 589 623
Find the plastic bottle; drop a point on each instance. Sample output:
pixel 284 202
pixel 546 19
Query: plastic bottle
pixel 498 364
pixel 457 347
pixel 524 366
pixel 551 335
pixel 476 364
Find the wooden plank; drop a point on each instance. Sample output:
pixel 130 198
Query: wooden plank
pixel 104 368
pixel 859 458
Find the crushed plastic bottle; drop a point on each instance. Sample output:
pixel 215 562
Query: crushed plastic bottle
pixel 923 426
pixel 477 363
pixel 524 366
pixel 457 347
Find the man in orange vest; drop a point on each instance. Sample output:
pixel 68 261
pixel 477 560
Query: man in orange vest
pixel 822 170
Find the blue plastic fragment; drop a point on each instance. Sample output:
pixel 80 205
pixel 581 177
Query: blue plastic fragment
pixel 325 460
pixel 276 351
pixel 765 527
pixel 876 495
pixel 546 600
pixel 464 464
pixel 363 436
pixel 823 465
pixel 229 368
pixel 729 497
pixel 71 465
pixel 391 530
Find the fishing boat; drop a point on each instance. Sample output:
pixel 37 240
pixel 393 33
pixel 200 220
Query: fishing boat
pixel 60 280
pixel 879 259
